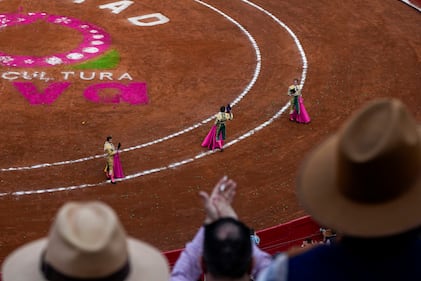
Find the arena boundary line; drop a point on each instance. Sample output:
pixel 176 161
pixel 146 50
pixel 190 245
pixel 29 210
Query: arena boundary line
pixel 409 3
pixel 155 170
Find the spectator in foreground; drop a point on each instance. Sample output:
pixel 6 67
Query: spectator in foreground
pixel 364 182
pixel 194 260
pixel 329 236
pixel 86 242
pixel 227 251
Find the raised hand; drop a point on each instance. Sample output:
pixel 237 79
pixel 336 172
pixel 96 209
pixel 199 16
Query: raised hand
pixel 218 204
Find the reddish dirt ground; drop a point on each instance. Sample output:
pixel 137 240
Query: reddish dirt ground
pixel 356 51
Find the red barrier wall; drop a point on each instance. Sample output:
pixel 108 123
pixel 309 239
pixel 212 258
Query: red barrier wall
pixel 282 237
pixel 278 238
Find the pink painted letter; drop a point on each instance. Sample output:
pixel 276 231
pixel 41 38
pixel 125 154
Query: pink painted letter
pixel 51 93
pixel 133 93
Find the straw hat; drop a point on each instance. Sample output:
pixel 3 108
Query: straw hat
pixel 365 180
pixel 86 241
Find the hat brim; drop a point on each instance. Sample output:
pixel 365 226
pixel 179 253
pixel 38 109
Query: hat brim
pixel 24 262
pixel 147 263
pixel 319 195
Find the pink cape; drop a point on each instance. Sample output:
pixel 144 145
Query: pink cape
pixel 210 139
pixel 118 169
pixel 301 117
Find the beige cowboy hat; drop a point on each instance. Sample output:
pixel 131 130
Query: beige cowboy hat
pixel 86 241
pixel 365 180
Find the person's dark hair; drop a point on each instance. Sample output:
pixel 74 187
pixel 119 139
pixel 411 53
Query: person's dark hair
pixel 109 137
pixel 227 250
pixel 222 109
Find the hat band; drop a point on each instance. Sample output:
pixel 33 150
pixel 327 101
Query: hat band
pixel 51 274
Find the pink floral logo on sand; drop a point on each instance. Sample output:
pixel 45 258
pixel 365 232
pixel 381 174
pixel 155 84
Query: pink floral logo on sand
pixel 95 41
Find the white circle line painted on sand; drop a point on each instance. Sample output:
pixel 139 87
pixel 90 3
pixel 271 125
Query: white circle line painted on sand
pixel 233 103
pixel 202 154
pixel 155 170
pixel 292 34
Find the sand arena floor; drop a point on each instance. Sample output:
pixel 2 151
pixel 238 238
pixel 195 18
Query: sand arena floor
pixel 153 73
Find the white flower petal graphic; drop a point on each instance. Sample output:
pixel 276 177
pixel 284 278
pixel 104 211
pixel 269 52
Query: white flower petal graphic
pixel 90 50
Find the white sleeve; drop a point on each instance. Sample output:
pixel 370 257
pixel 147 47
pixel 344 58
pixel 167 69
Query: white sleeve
pixel 277 271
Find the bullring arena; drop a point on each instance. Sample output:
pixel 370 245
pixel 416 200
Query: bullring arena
pixel 153 73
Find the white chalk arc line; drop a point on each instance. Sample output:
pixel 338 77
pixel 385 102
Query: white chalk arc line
pixel 155 170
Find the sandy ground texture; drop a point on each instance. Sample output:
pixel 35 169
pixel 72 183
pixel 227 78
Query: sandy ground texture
pixel 208 54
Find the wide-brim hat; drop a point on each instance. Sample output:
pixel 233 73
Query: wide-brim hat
pixel 86 241
pixel 365 180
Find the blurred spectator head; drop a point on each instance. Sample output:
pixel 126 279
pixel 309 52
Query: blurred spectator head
pixel 307 242
pixel 86 242
pixel 329 236
pixel 365 180
pixel 227 249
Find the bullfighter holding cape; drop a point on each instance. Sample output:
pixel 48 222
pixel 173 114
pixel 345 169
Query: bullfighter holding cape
pixel 298 112
pixel 216 136
pixel 113 168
